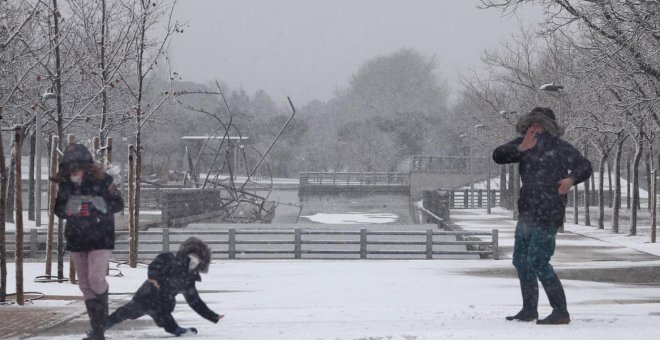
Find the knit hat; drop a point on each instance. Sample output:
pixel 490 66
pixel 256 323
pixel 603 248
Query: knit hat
pixel 76 154
pixel 542 116
pixel 193 245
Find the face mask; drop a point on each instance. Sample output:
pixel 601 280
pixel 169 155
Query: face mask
pixel 77 179
pixel 194 261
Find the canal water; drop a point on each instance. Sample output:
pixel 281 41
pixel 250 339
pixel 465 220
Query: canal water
pixel 380 208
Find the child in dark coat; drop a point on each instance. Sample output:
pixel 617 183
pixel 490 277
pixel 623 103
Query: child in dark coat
pixel 168 275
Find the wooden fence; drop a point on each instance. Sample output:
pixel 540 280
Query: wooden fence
pixel 293 244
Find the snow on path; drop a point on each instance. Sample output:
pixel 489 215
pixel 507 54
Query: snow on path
pixel 313 299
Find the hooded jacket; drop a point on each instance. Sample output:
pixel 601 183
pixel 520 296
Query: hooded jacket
pixel 88 208
pixel 173 276
pixel 541 168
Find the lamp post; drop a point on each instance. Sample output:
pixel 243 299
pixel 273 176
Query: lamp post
pixel 552 87
pixel 488 203
pixel 464 135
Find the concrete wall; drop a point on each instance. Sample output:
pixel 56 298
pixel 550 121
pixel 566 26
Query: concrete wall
pixel 420 181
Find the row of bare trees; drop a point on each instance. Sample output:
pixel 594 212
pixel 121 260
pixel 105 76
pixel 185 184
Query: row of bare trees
pixel 606 55
pixel 95 69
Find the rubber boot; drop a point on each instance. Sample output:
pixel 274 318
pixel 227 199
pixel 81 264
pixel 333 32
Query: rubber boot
pixel 557 298
pixel 530 297
pixel 97 309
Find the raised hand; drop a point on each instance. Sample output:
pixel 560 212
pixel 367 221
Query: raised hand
pixel 529 141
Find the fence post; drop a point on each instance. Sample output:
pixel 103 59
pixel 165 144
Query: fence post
pixel 33 243
pixel 479 198
pixel 453 199
pixel 363 243
pixel 297 239
pixel 232 244
pixel 496 250
pixel 465 198
pixel 429 244
pixel 166 238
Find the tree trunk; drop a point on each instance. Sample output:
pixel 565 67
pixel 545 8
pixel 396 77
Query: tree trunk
pixel 616 198
pixel 503 191
pixel 52 194
pixel 104 72
pixel 55 15
pixel 9 209
pixel 511 188
pixel 20 297
pixel 635 189
pixel 132 253
pixel 649 189
pixel 609 183
pixel 3 231
pixel 587 191
pixel 33 144
pixel 628 177
pixel 576 206
pixel 601 191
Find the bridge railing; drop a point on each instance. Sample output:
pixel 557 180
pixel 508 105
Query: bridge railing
pixel 292 244
pixel 468 199
pixel 355 178
pixel 451 164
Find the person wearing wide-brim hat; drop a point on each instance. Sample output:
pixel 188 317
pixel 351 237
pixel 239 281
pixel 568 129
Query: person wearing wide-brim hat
pixel 549 166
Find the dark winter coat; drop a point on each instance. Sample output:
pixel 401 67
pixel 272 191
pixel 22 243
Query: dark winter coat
pixel 173 276
pixel 541 168
pixel 89 226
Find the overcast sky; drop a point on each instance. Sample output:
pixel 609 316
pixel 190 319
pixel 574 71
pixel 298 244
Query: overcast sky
pixel 306 49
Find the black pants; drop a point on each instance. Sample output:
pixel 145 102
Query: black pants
pixel 133 310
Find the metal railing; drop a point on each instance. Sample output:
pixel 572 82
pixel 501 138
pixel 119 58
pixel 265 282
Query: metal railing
pixel 291 244
pixel 467 199
pixel 355 178
pixel 451 164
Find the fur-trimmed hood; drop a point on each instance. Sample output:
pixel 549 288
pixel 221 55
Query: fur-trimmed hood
pixel 193 245
pixel 538 116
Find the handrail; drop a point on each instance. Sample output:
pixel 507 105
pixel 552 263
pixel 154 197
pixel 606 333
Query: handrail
pixel 241 242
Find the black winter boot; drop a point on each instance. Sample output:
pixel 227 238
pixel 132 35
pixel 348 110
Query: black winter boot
pixel 557 298
pixel 97 309
pixel 530 297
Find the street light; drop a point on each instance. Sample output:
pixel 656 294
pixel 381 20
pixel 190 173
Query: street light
pixel 462 136
pixel 488 208
pixel 551 87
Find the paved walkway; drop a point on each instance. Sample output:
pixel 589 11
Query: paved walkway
pixel 573 251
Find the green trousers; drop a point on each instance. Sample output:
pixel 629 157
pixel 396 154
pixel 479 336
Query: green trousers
pixel 532 250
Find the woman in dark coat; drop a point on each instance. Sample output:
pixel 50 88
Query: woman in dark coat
pixel 87 199
pixel 548 167
pixel 168 275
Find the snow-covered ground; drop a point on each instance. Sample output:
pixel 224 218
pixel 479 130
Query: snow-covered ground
pixel 315 299
pixel 495 185
pixel 374 300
